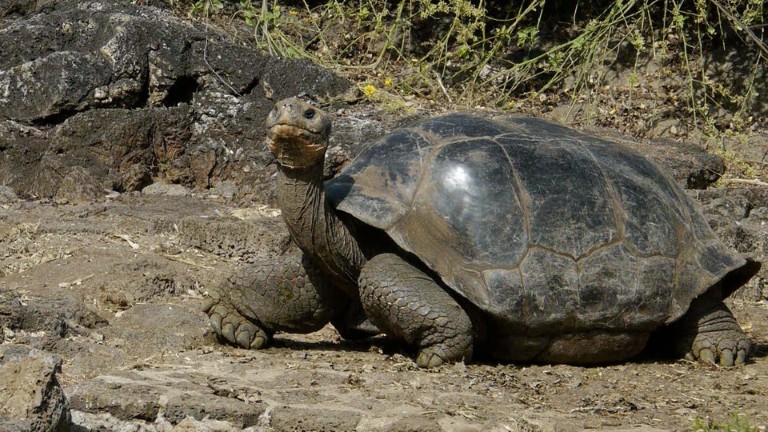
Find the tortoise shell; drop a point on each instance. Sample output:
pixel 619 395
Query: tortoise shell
pixel 538 225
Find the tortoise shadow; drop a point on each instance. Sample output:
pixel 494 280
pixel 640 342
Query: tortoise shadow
pixel 341 345
pixel 759 350
pixel 661 354
pixel 387 347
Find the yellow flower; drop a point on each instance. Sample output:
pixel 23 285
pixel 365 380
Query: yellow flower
pixel 388 81
pixel 293 12
pixel 369 90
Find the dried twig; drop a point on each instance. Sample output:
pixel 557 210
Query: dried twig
pixel 76 281
pixel 747 181
pixel 442 87
pixel 186 261
pixel 127 238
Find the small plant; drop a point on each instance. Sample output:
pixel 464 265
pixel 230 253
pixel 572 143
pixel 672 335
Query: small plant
pixel 533 52
pixel 206 7
pixel 736 423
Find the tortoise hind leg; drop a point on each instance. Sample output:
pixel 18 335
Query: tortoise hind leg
pixel 709 332
pixel 409 306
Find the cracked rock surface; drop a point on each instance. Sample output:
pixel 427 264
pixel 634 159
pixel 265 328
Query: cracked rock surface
pixel 31 398
pixel 112 95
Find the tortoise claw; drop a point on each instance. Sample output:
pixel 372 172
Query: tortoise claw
pixel 428 359
pixel 228 332
pixel 208 304
pixel 726 358
pixel 215 320
pixel 250 336
pixel 228 324
pixel 707 355
pixel 741 357
pixel 213 299
pixel 243 338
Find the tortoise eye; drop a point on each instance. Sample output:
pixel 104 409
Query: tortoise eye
pixel 309 114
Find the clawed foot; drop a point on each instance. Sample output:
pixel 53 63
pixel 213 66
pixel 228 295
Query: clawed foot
pixel 442 348
pixel 435 356
pixel 727 348
pixel 284 293
pixel 232 327
pixel 712 335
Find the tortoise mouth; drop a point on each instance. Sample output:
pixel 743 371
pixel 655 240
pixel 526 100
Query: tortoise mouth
pixel 296 147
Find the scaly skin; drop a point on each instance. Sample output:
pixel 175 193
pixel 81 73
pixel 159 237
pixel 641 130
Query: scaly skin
pixel 408 305
pixel 282 294
pixel 709 332
pixel 298 137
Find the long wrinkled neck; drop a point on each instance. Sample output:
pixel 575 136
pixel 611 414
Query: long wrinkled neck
pixel 315 226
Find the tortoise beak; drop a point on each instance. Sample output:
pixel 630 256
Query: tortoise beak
pixel 294 147
pixel 297 113
pixel 297 133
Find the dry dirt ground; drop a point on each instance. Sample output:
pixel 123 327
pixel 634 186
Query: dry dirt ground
pixel 116 287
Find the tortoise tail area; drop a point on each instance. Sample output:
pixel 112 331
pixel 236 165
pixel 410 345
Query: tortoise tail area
pixel 738 277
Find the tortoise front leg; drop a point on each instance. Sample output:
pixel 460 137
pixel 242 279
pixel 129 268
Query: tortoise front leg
pixel 409 306
pixel 282 294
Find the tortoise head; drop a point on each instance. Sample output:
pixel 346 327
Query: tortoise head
pixel 297 133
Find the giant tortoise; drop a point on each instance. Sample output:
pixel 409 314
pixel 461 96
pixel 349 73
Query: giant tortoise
pixel 514 239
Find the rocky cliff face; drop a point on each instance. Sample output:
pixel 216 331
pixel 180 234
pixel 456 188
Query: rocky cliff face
pixel 111 95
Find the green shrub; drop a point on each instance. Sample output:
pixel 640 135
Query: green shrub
pixel 499 53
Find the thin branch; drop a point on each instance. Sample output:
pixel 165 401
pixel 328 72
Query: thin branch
pixel 735 20
pixel 747 181
pixel 442 87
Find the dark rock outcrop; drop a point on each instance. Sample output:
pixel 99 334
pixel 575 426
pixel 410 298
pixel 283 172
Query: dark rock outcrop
pixel 739 216
pixel 115 96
